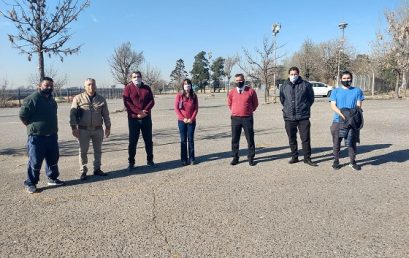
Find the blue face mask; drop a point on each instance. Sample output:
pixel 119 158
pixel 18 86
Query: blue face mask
pixel 293 78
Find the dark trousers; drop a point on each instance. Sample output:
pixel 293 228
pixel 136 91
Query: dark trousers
pixel 237 123
pixel 135 127
pixel 336 144
pixel 304 129
pixel 40 148
pixel 187 145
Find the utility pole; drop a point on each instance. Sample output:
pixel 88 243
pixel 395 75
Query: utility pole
pixel 276 27
pixel 342 27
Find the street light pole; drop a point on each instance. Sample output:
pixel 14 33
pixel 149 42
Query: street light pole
pixel 275 29
pixel 342 26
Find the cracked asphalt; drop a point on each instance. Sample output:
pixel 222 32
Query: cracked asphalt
pixel 213 209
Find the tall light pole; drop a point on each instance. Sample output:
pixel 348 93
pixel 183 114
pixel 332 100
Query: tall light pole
pixel 342 27
pixel 276 27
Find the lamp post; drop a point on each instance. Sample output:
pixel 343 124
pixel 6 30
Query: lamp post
pixel 275 29
pixel 342 27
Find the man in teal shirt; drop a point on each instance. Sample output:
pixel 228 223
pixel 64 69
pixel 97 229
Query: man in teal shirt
pixel 39 114
pixel 345 96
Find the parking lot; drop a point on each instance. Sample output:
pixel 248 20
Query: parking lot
pixel 213 209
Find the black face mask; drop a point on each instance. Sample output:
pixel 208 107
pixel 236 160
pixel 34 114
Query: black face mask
pixel 346 83
pixel 239 84
pixel 47 91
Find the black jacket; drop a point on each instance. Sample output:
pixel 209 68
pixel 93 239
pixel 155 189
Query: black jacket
pixel 296 99
pixel 351 126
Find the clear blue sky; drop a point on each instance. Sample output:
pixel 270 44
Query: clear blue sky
pixel 168 30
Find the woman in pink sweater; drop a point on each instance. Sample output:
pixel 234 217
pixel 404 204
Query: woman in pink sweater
pixel 186 108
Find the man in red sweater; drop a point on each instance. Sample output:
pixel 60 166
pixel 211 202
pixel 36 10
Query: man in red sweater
pixel 242 101
pixel 138 100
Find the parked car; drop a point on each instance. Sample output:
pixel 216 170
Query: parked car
pixel 321 89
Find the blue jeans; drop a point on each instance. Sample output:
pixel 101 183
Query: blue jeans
pixel 40 148
pixel 187 145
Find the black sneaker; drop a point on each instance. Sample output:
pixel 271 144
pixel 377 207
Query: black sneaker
pixel 355 166
pixel 31 189
pixel 55 182
pixel 309 162
pixel 184 163
pixel 131 167
pixel 293 160
pixel 252 162
pixel 336 165
pixel 99 172
pixel 151 163
pixel 83 176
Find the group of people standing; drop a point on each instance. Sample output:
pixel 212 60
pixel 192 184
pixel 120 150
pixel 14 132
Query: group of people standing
pixel 89 113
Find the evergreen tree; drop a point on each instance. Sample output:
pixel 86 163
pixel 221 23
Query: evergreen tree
pixel 200 71
pixel 178 74
pixel 217 69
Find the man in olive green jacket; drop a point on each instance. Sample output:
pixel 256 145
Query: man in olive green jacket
pixel 89 111
pixel 39 114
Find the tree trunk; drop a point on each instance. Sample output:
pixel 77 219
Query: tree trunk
pixel 404 83
pixel 397 86
pixel 41 64
pixel 266 94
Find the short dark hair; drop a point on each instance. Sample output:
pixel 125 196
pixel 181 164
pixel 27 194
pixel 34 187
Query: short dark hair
pixel 137 73
pixel 239 75
pixel 294 68
pixel 46 79
pixel 345 72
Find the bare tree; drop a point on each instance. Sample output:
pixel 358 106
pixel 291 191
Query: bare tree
pixel 151 75
pixel 385 62
pixel 308 60
pixel 59 80
pixel 229 63
pixel 42 32
pixel 124 61
pixel 399 30
pixel 4 96
pixel 263 66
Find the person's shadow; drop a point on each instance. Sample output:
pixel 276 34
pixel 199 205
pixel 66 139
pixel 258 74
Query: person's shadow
pixel 395 156
pixel 398 156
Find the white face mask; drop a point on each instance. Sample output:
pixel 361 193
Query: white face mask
pixel 187 87
pixel 137 81
pixel 293 78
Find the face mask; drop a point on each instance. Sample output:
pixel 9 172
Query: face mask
pixel 187 87
pixel 239 84
pixel 293 78
pixel 346 83
pixel 137 81
pixel 47 91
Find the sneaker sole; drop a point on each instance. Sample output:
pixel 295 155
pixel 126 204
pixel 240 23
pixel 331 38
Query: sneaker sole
pixel 354 168
pixel 54 184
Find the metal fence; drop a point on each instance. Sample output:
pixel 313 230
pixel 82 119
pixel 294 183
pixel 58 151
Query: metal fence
pixel 69 93
pixel 371 84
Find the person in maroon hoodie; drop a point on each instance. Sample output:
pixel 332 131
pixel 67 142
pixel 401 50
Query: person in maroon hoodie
pixel 242 101
pixel 186 108
pixel 138 100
